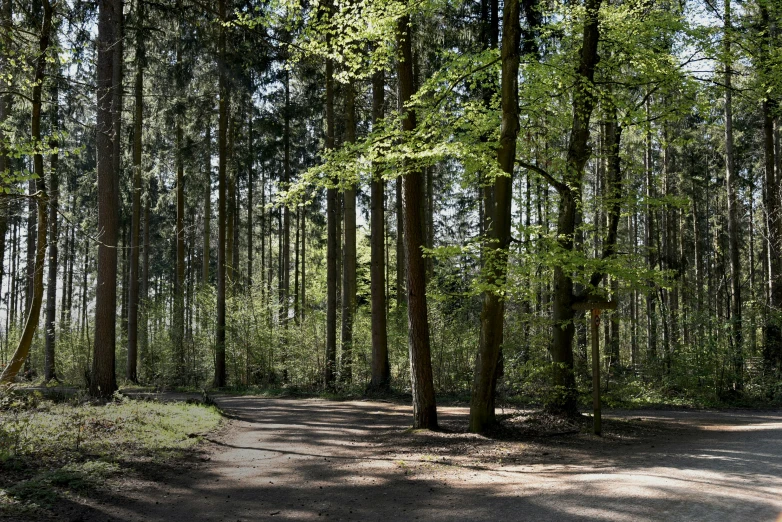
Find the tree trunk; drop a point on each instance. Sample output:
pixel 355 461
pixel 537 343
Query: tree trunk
pixel 144 284
pixel 103 380
pixel 230 202
pixel 772 348
pixel 207 202
pixel 731 182
pixel 250 176
pixel 14 280
pixel 30 252
pixel 649 234
pixel 67 275
pixel 263 232
pixel 31 324
pixel 613 190
pixel 349 264
pixel 564 400
pixel 331 241
pixel 401 298
pixel 303 290
pixel 178 332
pixel 381 371
pixel 424 406
pixel 299 211
pixel 496 262
pixel 286 228
pixel 49 371
pixel 220 380
pixel 6 22
pixel 135 226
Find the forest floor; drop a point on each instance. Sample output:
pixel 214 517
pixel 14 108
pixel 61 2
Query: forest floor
pixel 313 459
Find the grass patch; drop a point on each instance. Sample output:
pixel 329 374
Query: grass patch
pixel 52 449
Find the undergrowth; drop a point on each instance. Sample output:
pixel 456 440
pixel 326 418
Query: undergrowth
pixel 51 450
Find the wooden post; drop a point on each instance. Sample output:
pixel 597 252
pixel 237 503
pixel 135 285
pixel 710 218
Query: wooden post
pixel 595 307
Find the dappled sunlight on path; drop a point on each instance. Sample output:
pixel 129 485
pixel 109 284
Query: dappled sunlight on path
pixel 313 459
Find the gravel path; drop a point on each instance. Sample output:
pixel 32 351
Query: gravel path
pixel 297 459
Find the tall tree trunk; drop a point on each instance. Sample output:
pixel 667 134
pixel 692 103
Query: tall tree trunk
pixel 143 334
pixel 429 221
pixel 118 100
pixel 124 275
pixel 178 330
pixel 34 312
pixel 207 202
pixel 263 232
pixel 613 191
pixel 772 347
pixel 671 252
pixel 424 406
pixel 103 380
pixel 219 380
pixel 67 276
pixel 303 290
pixel 286 227
pixel 651 254
pixel 30 252
pixel 349 265
pixel 578 153
pixel 331 241
pixel 493 312
pixel 135 226
pixel 49 371
pixel 14 280
pixel 6 23
pixel 230 202
pixel 299 211
pixel 401 297
pixel 381 371
pixel 731 182
pixel 250 176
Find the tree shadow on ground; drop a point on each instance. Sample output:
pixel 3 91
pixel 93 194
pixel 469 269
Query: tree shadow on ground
pixel 291 459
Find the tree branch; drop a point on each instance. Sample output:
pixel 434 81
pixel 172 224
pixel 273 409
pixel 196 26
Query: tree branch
pixel 558 185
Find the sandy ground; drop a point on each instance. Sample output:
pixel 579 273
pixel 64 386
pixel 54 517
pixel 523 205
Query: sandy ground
pixel 309 459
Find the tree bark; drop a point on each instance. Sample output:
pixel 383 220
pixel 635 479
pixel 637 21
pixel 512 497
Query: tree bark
pixel 424 406
pixel 49 371
pixel 401 298
pixel 564 399
pixel 651 253
pixel 731 182
pixel 6 22
pixel 220 377
pixel 103 379
pixel 179 281
pixel 303 297
pixel 482 414
pixel 331 241
pixel 772 346
pixel 381 371
pixel 286 228
pixel 349 264
pixel 207 202
pixel 250 176
pixel 230 199
pixel 135 226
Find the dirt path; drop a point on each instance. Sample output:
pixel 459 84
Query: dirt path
pixel 289 459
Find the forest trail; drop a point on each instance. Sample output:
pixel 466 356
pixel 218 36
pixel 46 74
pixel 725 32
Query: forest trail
pixel 310 459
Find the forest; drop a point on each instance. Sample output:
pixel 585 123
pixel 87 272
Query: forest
pixel 419 197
